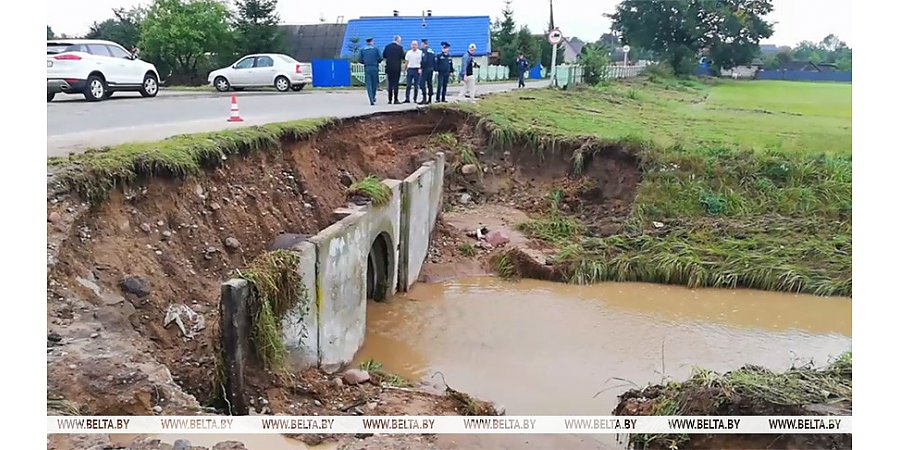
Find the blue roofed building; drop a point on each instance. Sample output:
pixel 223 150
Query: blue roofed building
pixel 459 31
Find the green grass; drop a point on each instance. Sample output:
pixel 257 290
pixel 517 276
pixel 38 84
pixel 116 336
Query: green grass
pixel 95 173
pixel 375 368
pixel 278 288
pixel 372 188
pixel 761 391
pixel 467 250
pixel 752 181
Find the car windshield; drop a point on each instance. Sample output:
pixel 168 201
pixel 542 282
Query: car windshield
pixel 54 48
pixel 288 59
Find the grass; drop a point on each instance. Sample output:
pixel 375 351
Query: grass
pixel 752 181
pixel 278 289
pixel 372 188
pixel 95 173
pixel 467 250
pixel 375 368
pixel 762 391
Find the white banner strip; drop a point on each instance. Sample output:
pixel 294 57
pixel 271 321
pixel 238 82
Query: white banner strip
pixel 448 424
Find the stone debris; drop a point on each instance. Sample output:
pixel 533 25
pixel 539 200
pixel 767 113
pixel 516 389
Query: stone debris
pixel 355 376
pixel 135 285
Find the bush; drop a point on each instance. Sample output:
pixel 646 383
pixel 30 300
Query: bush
pixel 596 64
pixel 662 70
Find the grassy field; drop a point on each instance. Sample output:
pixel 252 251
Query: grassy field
pixel 752 180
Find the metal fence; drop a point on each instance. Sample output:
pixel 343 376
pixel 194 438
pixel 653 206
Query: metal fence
pixel 800 75
pixel 570 75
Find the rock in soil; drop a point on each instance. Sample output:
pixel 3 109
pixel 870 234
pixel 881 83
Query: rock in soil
pixel 469 169
pixel 181 444
pixel 464 198
pixel 496 238
pixel 135 285
pixel 232 243
pixel 355 376
pixel 229 445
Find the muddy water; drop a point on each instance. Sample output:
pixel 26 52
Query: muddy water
pixel 548 348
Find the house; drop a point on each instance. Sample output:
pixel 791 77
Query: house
pixel 459 31
pixel 808 66
pixel 317 41
pixel 571 48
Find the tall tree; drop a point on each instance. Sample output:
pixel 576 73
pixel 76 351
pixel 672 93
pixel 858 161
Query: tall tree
pixel 181 34
pixel 50 34
pixel 678 30
pixel 123 29
pixel 256 27
pixel 504 38
pixel 527 44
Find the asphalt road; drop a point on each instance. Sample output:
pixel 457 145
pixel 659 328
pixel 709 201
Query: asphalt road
pixel 74 125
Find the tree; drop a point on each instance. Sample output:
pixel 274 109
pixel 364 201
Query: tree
pixel 678 30
pixel 528 45
pixel 182 34
pixel 124 28
pixel 595 60
pixel 50 34
pixel 504 37
pixel 256 27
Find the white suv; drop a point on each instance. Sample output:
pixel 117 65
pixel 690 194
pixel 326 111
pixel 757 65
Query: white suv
pixel 97 69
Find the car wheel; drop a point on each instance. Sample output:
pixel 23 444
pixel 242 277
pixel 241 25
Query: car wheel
pixel 298 87
pixel 222 85
pixel 282 84
pixel 95 88
pixel 50 96
pixel 150 87
pixel 107 94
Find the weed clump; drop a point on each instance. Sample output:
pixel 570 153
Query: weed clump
pixel 371 188
pixel 375 368
pixel 277 289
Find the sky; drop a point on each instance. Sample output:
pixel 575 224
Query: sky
pixel 796 20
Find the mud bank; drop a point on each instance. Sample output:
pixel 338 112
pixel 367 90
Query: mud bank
pixel 751 390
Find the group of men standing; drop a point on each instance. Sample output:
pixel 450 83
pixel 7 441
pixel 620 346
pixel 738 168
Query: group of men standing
pixel 420 66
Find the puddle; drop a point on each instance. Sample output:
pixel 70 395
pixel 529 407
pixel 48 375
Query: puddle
pixel 548 348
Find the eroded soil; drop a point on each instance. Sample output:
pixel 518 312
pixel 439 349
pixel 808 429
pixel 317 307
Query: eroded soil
pixel 115 269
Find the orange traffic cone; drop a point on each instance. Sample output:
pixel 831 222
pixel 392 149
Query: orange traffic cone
pixel 235 113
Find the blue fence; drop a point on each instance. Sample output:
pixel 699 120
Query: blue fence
pixel 331 72
pixel 799 75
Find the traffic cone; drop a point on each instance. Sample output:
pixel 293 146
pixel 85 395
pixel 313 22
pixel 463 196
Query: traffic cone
pixel 235 113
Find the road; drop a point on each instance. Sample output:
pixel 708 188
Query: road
pixel 74 125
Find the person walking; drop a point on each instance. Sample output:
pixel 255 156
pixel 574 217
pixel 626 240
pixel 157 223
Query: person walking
pixel 370 58
pixel 444 66
pixel 413 70
pixel 522 64
pixel 428 60
pixel 467 73
pixel 393 62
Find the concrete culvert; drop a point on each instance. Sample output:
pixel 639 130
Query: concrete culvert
pixel 377 269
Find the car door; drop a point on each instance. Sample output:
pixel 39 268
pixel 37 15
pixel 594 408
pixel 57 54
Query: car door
pixel 102 60
pixel 132 71
pixel 263 73
pixel 240 74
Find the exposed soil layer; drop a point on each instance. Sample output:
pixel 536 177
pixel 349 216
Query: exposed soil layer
pixel 116 268
pixel 717 396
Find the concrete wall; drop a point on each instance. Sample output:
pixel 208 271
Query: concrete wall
pixel 300 326
pixel 343 249
pixel 330 327
pixel 421 193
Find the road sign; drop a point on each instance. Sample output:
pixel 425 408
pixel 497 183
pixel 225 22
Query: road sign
pixel 555 36
pixel 626 49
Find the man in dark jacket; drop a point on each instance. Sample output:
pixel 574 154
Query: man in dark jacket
pixel 444 66
pixel 522 65
pixel 370 58
pixel 427 72
pixel 393 57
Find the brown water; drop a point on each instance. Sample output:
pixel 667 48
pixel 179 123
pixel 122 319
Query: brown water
pixel 547 348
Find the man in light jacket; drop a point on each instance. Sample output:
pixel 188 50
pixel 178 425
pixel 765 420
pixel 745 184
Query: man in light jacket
pixel 467 73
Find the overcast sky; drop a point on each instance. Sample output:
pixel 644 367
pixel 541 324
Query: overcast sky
pixel 797 20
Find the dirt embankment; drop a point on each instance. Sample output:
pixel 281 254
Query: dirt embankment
pixel 117 268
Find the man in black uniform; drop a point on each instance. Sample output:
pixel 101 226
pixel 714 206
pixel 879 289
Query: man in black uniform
pixel 427 72
pixel 444 66
pixel 393 61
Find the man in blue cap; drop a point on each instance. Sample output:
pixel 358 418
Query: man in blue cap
pixel 427 72
pixel 370 57
pixel 444 66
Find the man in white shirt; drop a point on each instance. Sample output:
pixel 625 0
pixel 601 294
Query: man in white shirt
pixel 413 70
